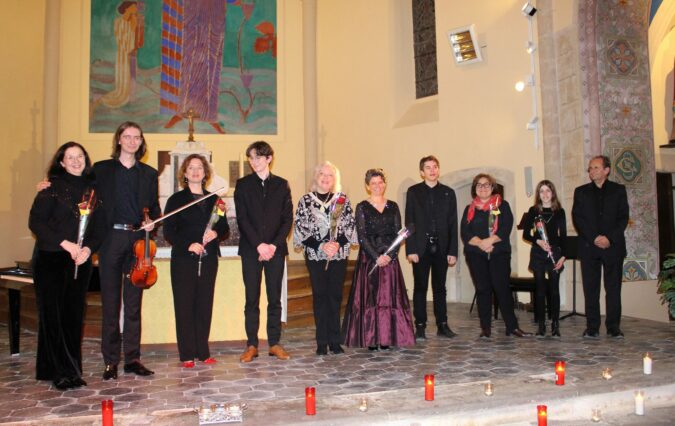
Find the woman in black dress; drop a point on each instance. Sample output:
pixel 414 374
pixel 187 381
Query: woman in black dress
pixel 378 312
pixel 485 229
pixel 54 219
pixel 194 258
pixel 546 258
pixel 324 229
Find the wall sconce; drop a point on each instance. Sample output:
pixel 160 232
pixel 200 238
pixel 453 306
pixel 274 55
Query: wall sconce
pixel 529 81
pixel 528 10
pixel 530 47
pixel 532 124
pixel 464 45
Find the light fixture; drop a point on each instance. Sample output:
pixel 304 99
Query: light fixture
pixel 464 45
pixel 529 81
pixel 520 86
pixel 530 47
pixel 529 10
pixel 532 124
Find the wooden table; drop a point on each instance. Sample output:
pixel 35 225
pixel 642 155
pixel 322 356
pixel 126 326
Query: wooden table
pixel 14 282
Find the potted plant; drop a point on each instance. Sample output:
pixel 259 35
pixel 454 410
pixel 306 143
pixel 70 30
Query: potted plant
pixel 666 287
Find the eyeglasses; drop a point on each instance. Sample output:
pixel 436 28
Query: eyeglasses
pixel 484 185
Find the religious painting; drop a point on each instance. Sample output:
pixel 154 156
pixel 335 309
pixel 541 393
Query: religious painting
pixel 154 60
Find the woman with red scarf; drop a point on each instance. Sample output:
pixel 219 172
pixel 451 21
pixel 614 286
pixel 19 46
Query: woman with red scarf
pixel 485 228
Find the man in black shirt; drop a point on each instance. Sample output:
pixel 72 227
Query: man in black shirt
pixel 125 186
pixel 600 215
pixel 264 216
pixel 431 208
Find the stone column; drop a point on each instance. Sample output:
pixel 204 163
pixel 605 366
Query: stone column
pixel 312 149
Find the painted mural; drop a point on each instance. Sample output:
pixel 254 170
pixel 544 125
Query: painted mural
pixel 153 61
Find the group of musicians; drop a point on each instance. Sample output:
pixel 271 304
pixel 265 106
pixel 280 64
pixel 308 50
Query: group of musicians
pixel 82 208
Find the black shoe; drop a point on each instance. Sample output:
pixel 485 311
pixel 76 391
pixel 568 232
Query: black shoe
pixel 444 330
pixel 62 383
pixel 77 382
pixel 110 372
pixel 384 348
pixel 137 368
pixel 321 350
pixel 555 328
pixel 336 348
pixel 615 333
pixel 518 333
pixel 590 334
pixel 485 333
pixel 541 330
pixel 372 348
pixel 419 332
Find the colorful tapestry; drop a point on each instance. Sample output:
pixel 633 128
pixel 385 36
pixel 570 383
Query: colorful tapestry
pixel 156 61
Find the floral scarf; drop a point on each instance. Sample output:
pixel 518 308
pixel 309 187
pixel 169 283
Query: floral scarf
pixel 491 205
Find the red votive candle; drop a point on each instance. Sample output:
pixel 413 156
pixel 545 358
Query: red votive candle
pixel 429 387
pixel 107 412
pixel 560 373
pixel 310 401
pixel 541 415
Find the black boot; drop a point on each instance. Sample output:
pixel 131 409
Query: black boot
pixel 541 331
pixel 555 328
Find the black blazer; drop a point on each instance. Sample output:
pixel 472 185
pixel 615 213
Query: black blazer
pixel 188 226
pixel 263 219
pixel 612 223
pixel 445 212
pixel 148 190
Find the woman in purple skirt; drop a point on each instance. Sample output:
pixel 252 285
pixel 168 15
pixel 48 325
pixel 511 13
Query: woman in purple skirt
pixel 378 312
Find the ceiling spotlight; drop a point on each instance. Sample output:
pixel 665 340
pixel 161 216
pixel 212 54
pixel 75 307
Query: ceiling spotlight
pixel 529 10
pixel 532 124
pixel 530 47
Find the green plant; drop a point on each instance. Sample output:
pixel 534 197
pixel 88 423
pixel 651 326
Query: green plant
pixel 666 287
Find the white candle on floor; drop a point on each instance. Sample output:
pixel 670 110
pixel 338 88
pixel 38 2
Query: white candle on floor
pixel 647 363
pixel 639 403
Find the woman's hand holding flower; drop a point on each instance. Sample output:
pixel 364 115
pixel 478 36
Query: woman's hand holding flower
pixel 544 246
pixel 71 248
pixel 196 248
pixel 209 236
pixel 330 248
pixel 383 260
pixel 83 255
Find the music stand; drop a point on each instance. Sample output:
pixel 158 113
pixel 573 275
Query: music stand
pixel 571 250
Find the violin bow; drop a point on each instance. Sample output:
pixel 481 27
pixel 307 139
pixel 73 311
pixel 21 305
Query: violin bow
pixel 180 209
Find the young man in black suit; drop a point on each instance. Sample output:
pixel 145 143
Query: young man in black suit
pixel 600 215
pixel 264 216
pixel 125 186
pixel 431 208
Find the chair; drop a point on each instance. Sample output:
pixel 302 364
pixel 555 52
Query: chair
pixel 572 253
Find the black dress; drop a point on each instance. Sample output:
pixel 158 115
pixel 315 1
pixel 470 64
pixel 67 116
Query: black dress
pixel 55 217
pixel 378 311
pixel 192 292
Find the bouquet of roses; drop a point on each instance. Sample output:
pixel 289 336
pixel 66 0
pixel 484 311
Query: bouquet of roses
pixel 218 211
pixel 334 214
pixel 86 206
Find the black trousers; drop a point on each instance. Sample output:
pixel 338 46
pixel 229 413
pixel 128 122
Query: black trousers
pixel 193 304
pixel 61 304
pixel 327 287
pixel 437 264
pixel 547 290
pixel 612 268
pixel 252 271
pixel 115 263
pixel 492 276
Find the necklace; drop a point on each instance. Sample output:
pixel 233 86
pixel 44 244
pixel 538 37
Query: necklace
pixel 323 200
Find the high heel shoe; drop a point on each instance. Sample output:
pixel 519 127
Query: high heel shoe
pixel 322 350
pixel 485 333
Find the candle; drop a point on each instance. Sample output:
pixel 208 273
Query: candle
pixel 596 415
pixel 647 363
pixel 639 403
pixel 310 401
pixel 107 412
pixel 429 387
pixel 607 373
pixel 363 405
pixel 560 373
pixel 541 415
pixel 489 390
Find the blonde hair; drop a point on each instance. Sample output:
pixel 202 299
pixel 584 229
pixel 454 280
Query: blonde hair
pixel 317 170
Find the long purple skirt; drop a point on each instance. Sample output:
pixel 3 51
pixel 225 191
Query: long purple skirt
pixel 378 311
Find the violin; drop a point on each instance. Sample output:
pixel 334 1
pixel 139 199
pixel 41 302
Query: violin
pixel 144 274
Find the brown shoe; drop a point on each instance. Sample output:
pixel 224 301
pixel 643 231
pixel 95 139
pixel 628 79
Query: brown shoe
pixel 248 355
pixel 279 352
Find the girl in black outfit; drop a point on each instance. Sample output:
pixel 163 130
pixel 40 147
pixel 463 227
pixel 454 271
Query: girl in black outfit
pixel 546 258
pixel 485 230
pixel 194 259
pixel 54 219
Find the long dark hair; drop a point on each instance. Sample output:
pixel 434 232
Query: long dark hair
pixel 117 148
pixel 56 169
pixel 555 204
